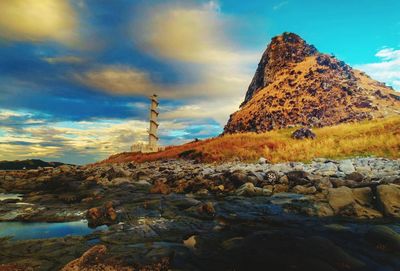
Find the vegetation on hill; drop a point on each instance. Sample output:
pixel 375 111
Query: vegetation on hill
pixel 380 137
pixel 27 164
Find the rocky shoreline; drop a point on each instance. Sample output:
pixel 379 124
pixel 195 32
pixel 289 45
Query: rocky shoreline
pixel 186 212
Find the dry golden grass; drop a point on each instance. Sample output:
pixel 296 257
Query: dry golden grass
pixel 379 138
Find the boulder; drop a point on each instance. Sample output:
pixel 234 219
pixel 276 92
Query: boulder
pixel 279 188
pixel 297 177
pixel 303 133
pixel 344 202
pixel 346 166
pixel 105 215
pixel 248 189
pixel 238 177
pixel 355 176
pixel 160 187
pixel 299 189
pixel 388 198
pixel 327 169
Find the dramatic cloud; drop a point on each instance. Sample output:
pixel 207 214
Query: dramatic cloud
pixel 213 72
pixel 26 135
pixel 118 80
pixel 387 69
pixel 42 20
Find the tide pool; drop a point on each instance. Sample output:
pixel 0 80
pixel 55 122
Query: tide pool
pixel 43 230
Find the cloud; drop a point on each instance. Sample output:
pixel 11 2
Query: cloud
pixel 280 5
pixel 121 80
pixel 64 59
pixel 43 20
pixel 87 141
pixel 195 34
pixel 387 69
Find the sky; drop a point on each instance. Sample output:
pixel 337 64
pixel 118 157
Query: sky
pixel 75 75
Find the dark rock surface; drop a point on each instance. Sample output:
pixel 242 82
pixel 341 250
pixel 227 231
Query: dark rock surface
pixel 178 215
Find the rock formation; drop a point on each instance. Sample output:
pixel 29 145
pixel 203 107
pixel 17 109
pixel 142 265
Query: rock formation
pixel 296 85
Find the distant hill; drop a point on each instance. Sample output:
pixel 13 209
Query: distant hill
pixel 295 85
pixel 27 164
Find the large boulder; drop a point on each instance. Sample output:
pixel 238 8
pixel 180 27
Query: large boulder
pixel 388 198
pixel 344 201
pixel 303 133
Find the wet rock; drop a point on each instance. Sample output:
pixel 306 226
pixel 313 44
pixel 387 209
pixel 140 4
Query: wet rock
pixel 105 215
pixel 343 202
pixel 280 188
pixel 363 196
pixel 297 177
pixel 355 176
pixel 248 189
pixel 323 184
pixel 384 238
pixel 303 133
pixel 160 187
pixel 388 198
pixel 299 189
pixel 207 208
pixel 284 179
pixel 333 254
pixel 238 177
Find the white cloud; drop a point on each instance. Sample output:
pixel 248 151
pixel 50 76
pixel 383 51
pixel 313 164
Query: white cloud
pixel 38 20
pixel 387 69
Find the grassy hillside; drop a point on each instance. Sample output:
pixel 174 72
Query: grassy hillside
pixel 377 137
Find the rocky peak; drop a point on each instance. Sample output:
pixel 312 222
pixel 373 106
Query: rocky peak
pixel 281 52
pixel 295 85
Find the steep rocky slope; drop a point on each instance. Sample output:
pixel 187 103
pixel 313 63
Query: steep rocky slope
pixel 296 85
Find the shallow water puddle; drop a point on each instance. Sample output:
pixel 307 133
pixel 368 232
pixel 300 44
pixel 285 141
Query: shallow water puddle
pixel 43 230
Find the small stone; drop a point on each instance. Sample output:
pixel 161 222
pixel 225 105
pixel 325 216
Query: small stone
pixel 271 177
pixel 262 161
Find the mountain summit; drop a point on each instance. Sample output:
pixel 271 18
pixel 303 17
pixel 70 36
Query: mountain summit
pixel 295 84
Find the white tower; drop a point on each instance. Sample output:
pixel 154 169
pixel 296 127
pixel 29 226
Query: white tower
pixel 152 145
pixel 153 138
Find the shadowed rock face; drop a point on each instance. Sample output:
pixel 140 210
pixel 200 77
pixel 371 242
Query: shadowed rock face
pixel 295 85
